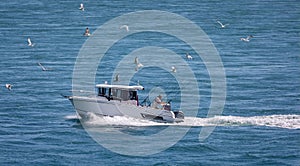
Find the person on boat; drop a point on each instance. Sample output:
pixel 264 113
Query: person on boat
pixel 87 32
pixel 157 102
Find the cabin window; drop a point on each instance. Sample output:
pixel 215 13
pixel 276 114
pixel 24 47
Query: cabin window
pixel 118 94
pixel 132 95
pixel 102 91
pixel 121 94
pixel 125 95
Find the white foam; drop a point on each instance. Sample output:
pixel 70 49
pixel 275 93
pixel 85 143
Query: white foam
pixel 119 121
pixel 72 117
pixel 281 121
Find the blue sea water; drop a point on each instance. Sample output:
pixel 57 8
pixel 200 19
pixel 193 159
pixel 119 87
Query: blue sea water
pixel 260 122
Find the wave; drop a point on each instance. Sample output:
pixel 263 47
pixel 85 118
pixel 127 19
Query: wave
pixel 280 121
pixel 71 117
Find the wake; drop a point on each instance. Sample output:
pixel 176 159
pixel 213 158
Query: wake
pixel 280 121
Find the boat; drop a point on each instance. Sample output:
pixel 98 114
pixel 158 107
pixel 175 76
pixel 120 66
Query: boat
pixel 122 100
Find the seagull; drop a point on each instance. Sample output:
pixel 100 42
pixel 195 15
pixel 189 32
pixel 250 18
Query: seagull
pixel 136 60
pixel 30 43
pixel 139 65
pixel 117 78
pixel 188 56
pixel 43 68
pixel 247 39
pixel 173 69
pixel 81 7
pixel 125 26
pixel 8 86
pixel 87 32
pixel 222 25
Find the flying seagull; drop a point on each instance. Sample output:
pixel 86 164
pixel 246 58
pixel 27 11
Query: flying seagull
pixel 117 78
pixel 173 69
pixel 8 86
pixel 126 27
pixel 188 56
pixel 87 32
pixel 136 60
pixel 30 43
pixel 81 7
pixel 43 68
pixel 247 39
pixel 222 25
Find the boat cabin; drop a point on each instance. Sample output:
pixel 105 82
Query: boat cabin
pixel 119 92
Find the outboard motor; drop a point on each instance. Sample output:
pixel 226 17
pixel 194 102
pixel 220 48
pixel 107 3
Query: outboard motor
pixel 179 115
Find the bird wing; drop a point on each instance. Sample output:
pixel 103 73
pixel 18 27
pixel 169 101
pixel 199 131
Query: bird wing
pixel 220 23
pixel 117 77
pixel 29 41
pixel 125 26
pixel 136 60
pixel 140 65
pixel 8 86
pixel 43 68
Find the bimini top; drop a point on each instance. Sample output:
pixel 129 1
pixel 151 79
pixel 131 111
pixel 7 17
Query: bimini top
pixel 123 87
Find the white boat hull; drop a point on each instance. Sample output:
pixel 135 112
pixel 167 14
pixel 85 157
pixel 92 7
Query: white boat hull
pixel 101 106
